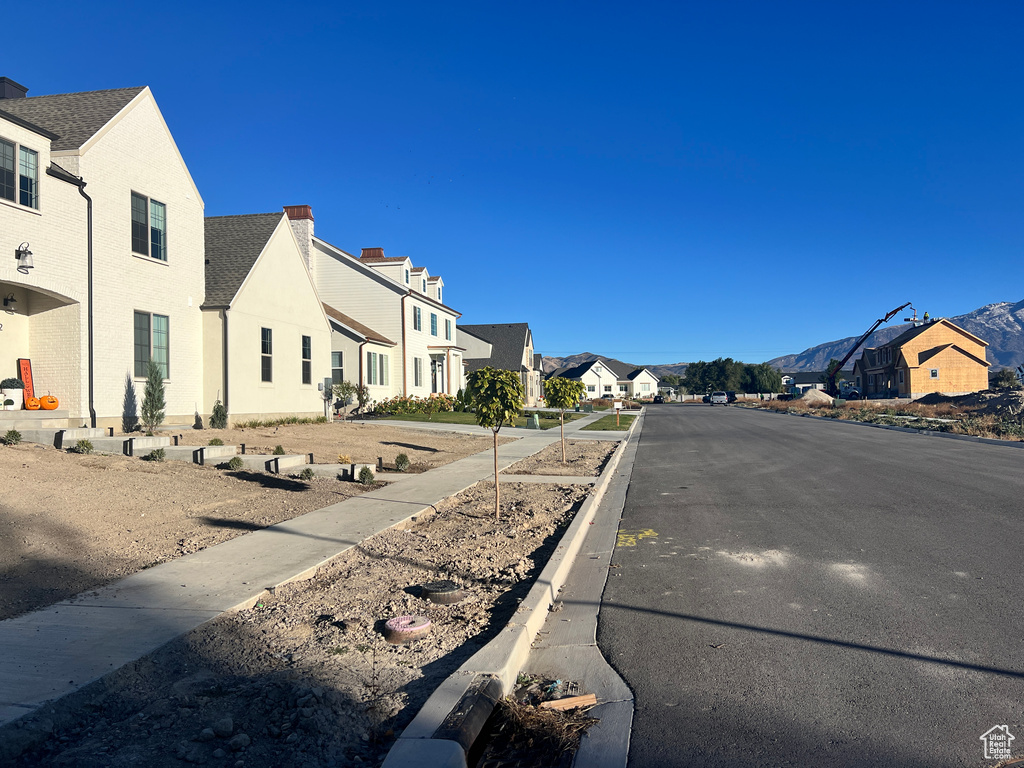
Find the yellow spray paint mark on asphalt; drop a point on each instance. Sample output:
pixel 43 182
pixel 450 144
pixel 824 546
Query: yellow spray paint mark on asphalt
pixel 630 538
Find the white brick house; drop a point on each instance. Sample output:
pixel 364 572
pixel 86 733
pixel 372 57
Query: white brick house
pixel 94 186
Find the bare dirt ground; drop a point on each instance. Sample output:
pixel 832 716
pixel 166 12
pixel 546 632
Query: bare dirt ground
pixel 305 677
pixel 583 458
pixel 70 523
pixel 362 442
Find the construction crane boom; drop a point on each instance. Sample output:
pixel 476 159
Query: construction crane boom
pixel 830 384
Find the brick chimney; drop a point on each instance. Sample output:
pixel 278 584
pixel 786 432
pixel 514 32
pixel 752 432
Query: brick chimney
pixel 301 219
pixel 11 90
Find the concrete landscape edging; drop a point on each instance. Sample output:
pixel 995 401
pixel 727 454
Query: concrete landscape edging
pixel 449 722
pixel 910 430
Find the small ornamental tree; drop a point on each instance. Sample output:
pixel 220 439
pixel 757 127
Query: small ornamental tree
pixel 563 394
pixel 362 397
pixel 344 391
pixel 498 396
pixel 153 397
pixel 219 417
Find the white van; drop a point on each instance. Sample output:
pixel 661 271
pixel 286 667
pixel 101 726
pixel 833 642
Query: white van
pixel 719 398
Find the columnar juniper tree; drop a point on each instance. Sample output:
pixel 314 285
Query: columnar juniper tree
pixel 498 397
pixel 562 394
pixel 153 397
pixel 129 406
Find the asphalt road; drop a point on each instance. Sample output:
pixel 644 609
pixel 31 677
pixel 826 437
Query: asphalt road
pixel 794 592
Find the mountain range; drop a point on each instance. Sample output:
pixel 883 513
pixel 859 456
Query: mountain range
pixel 1000 324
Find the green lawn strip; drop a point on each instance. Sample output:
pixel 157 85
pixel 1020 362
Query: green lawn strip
pixel 457 417
pixel 606 423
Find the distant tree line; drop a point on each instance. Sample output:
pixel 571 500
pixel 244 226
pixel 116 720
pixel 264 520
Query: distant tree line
pixel 728 375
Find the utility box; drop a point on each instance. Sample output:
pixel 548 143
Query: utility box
pixel 532 421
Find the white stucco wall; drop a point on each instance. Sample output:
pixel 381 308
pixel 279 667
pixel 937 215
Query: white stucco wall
pixel 278 294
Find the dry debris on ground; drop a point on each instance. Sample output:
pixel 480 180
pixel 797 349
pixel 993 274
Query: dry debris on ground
pixel 305 677
pixel 584 458
pixel 72 522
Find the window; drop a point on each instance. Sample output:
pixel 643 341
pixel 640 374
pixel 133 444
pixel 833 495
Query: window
pixel 871 379
pixel 623 388
pixel 645 387
pixel 417 319
pixel 19 184
pixel 591 388
pixel 439 293
pixel 424 285
pixel 149 227
pixel 901 377
pixel 376 369
pixel 448 329
pixel 152 340
pixel 433 324
pixel 607 387
pixel 417 372
pixel 307 359
pixel 407 277
pixel 934 373
pixel 266 354
pixel 337 367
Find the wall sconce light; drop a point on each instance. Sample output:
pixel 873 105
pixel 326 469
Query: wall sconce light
pixel 24 258
pixel 9 302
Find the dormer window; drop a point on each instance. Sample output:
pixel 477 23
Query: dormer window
pixel 407 277
pixel 439 293
pixel 424 285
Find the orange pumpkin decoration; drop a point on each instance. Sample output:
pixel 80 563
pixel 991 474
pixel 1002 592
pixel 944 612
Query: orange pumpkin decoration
pixel 31 403
pixel 48 402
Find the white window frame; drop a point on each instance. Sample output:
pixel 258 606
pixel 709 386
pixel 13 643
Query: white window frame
pixel 417 372
pixel 306 343
pixel 417 319
pixel 433 323
pixel 337 371
pixel 933 373
pixel 266 355
pixel 591 388
pixel 447 329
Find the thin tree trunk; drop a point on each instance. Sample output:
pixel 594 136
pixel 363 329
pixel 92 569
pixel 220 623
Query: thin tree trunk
pixel 497 497
pixel 561 430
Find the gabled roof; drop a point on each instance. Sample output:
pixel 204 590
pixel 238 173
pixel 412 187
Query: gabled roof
pixel 636 372
pixel 354 325
pixel 929 354
pixel 233 243
pixel 74 117
pixel 912 333
pixel 576 371
pixel 508 342
pixel 417 270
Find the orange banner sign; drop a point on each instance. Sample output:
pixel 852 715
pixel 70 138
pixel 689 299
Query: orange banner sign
pixel 25 374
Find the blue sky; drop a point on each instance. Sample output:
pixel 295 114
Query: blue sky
pixel 658 182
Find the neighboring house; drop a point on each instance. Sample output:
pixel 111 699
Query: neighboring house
pixel 611 379
pixel 798 383
pixel 508 347
pixel 267 343
pixel 414 349
pixel 639 383
pixel 936 356
pixel 92 185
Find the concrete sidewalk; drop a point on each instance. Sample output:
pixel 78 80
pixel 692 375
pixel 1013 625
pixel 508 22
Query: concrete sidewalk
pixel 60 649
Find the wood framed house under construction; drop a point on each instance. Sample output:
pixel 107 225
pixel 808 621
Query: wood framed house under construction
pixel 937 356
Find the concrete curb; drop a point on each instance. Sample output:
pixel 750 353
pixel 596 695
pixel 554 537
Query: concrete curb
pixel 909 430
pixel 449 722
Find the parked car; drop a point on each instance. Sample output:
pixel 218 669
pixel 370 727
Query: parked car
pixel 659 399
pixel 731 396
pixel 706 399
pixel 853 394
pixel 719 398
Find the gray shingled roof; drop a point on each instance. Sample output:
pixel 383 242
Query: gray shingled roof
pixel 366 331
pixel 74 117
pixel 508 342
pixel 233 243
